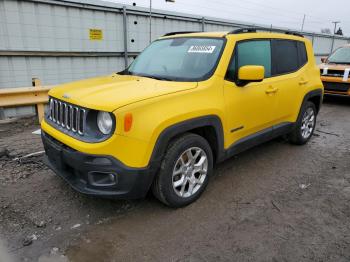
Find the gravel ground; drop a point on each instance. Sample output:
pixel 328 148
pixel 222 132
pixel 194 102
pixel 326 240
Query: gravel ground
pixel 276 202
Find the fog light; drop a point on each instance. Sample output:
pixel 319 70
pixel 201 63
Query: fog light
pixel 102 178
pixel 101 161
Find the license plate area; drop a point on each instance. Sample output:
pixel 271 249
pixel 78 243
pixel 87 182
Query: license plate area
pixel 54 153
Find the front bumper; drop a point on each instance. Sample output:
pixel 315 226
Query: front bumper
pixel 336 88
pixel 82 171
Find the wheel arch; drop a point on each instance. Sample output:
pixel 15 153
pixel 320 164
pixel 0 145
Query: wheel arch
pixel 210 127
pixel 314 96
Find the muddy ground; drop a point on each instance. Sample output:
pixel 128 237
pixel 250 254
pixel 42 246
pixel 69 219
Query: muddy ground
pixel 276 202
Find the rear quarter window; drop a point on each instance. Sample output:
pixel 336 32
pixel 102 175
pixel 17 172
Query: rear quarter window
pixel 302 54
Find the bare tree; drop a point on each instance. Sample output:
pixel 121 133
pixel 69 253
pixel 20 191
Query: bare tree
pixel 326 31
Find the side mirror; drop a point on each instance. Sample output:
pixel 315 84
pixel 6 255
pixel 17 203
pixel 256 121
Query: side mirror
pixel 323 59
pixel 250 73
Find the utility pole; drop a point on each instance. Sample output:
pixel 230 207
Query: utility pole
pixel 335 26
pixel 150 17
pixel 302 25
pixel 150 21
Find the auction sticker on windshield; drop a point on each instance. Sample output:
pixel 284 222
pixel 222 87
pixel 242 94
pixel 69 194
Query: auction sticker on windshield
pixel 201 49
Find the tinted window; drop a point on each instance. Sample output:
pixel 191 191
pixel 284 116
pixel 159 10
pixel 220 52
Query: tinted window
pixel 257 52
pixel 302 54
pixel 284 56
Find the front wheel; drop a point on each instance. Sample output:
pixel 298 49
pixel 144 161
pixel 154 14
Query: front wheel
pixel 184 172
pixel 305 125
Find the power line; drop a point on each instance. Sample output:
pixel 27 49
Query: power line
pixel 222 7
pixel 225 5
pixel 262 20
pixel 256 5
pixel 232 13
pixel 284 10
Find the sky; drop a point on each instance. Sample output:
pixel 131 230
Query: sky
pixel 280 13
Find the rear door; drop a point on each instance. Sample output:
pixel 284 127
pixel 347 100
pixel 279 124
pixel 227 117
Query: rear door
pixel 289 58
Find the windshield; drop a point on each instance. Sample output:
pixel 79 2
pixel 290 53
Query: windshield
pixel 340 56
pixel 180 59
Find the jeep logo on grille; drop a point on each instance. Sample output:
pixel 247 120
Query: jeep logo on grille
pixel 66 96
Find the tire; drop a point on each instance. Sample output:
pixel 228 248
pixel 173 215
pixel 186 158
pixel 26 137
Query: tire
pixel 177 183
pixel 305 125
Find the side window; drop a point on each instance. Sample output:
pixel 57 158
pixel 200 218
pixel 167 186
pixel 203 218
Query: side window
pixel 284 56
pixel 302 54
pixel 255 52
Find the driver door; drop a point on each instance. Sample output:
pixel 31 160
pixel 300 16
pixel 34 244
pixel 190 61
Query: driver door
pixel 249 108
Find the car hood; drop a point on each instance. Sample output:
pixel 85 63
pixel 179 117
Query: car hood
pixel 111 92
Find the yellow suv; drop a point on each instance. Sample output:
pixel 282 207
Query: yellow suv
pixel 188 101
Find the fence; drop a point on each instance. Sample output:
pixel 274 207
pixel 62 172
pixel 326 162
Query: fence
pixel 61 41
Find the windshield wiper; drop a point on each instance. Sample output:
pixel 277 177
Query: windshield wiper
pixel 124 72
pixel 127 72
pixel 157 77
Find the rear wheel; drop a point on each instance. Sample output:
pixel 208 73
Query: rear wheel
pixel 184 172
pixel 305 125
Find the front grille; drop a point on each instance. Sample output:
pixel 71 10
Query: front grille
pixel 338 87
pixel 67 116
pixel 332 73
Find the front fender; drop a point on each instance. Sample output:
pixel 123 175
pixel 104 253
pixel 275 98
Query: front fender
pixel 161 118
pixel 172 131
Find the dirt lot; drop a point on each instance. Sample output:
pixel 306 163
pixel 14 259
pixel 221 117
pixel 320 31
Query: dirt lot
pixel 276 202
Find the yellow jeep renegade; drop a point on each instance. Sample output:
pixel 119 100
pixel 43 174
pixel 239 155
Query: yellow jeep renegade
pixel 188 101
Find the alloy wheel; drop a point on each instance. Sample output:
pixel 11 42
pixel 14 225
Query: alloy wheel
pixel 308 123
pixel 189 172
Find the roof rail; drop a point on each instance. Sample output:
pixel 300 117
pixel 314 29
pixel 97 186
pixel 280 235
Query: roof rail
pixel 243 30
pixel 254 30
pixel 181 32
pixel 294 33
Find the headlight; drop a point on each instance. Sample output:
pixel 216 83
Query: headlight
pixel 104 122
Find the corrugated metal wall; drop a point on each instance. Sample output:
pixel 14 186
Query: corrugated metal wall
pixel 49 39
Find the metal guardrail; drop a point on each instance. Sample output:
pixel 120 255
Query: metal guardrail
pixel 65 53
pixel 22 96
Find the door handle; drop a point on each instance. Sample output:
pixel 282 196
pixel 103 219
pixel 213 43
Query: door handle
pixel 303 82
pixel 271 90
